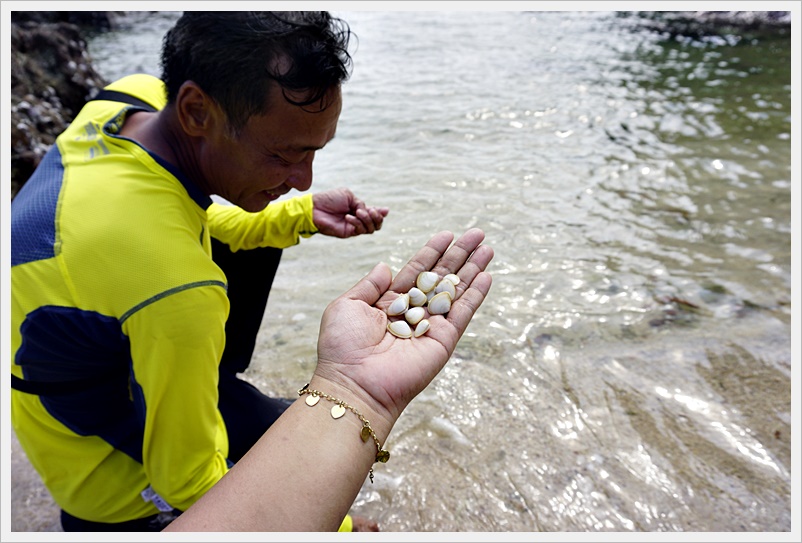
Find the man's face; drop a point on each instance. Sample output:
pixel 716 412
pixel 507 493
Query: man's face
pixel 273 153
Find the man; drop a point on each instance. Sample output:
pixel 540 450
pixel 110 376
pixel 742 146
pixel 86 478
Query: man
pixel 124 270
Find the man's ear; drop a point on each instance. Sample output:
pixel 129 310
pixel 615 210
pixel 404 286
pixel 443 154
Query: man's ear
pixel 196 110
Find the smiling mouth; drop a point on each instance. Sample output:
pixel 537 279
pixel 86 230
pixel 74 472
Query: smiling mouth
pixel 273 194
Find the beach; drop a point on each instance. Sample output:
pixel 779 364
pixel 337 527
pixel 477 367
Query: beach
pixel 631 369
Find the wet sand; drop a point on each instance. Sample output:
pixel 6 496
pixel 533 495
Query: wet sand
pixel 32 508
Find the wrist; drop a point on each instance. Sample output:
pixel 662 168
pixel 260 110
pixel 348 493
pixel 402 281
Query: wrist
pixel 366 409
pixel 310 212
pixel 340 408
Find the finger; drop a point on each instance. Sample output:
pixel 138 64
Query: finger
pixel 357 227
pixel 377 218
pixel 423 260
pixel 458 254
pixel 464 308
pixel 355 203
pixel 367 221
pixel 371 287
pixel 477 263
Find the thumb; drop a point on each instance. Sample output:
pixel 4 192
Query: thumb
pixel 371 287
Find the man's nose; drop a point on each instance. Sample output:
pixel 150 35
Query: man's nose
pixel 301 175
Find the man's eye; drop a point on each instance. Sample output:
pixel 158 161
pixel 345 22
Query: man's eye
pixel 289 158
pixel 280 160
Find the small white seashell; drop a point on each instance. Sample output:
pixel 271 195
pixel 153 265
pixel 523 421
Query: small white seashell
pixel 440 304
pixel 427 280
pixel 417 297
pixel 399 305
pixel 446 286
pixel 430 295
pixel 400 329
pixel 422 328
pixel 414 315
pixel 452 278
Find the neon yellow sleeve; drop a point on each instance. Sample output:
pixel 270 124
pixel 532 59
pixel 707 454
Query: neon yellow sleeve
pixel 281 224
pixel 347 524
pixel 176 343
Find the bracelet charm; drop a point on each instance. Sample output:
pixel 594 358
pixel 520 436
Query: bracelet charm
pixel 337 411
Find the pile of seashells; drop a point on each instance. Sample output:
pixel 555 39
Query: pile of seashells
pixel 430 292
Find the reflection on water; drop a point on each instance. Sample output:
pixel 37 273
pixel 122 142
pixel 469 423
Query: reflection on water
pixel 592 443
pixel 630 370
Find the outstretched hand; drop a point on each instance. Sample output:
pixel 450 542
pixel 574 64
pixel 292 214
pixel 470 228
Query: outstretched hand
pixel 355 349
pixel 339 213
pixel 361 363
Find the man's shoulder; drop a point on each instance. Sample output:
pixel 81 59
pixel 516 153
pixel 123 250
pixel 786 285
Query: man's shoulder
pixel 145 87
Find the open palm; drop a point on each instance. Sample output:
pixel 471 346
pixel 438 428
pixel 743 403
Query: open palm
pixel 355 348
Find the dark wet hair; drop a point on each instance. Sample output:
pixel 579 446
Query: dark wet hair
pixel 234 57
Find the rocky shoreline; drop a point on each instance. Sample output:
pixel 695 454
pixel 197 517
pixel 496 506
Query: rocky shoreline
pixel 51 78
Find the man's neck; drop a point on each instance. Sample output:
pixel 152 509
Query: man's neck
pixel 161 134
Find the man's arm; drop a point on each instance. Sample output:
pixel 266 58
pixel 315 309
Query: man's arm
pixel 176 344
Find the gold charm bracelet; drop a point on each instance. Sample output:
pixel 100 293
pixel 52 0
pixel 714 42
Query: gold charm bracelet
pixel 338 411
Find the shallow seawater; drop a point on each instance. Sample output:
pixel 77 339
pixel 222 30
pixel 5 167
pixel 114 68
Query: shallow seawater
pixel 631 367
